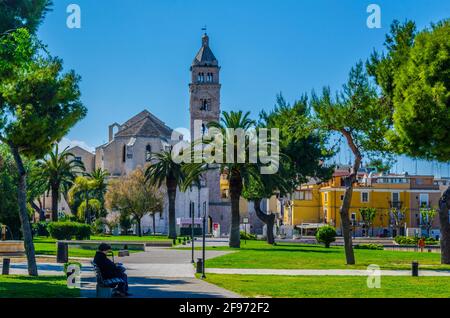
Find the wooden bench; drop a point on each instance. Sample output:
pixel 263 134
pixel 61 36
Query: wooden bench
pixel 104 288
pixel 116 245
pixel 12 248
pixel 9 249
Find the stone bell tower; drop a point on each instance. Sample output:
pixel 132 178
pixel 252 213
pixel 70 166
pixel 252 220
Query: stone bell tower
pixel 205 106
pixel 205 86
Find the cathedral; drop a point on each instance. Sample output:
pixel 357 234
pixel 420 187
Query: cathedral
pixel 131 144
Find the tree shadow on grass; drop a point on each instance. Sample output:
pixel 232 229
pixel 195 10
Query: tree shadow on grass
pixel 36 287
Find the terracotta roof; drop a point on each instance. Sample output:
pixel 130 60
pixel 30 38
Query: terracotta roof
pixel 144 124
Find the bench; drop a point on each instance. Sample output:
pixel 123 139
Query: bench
pixel 105 287
pixel 116 245
pixel 9 249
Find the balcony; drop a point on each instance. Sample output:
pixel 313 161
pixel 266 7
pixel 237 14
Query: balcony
pixel 396 204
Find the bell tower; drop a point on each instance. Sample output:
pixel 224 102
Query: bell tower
pixel 204 87
pixel 205 106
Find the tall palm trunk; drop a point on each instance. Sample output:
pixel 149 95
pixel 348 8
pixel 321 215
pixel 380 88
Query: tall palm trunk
pixel 268 219
pixel 23 213
pixel 172 193
pixel 235 195
pixel 444 208
pixel 55 199
pixel 344 211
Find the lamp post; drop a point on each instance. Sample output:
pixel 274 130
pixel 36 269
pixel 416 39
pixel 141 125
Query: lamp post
pixel 204 241
pixel 191 208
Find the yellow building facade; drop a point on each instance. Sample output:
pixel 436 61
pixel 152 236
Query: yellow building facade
pixel 321 203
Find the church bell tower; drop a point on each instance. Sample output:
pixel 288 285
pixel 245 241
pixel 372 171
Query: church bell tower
pixel 204 87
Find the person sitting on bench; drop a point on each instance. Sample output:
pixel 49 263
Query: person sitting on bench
pixel 111 270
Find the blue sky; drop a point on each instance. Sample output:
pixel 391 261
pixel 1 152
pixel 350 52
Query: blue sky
pixel 136 54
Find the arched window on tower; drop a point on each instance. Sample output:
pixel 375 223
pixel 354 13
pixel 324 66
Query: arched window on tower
pixel 204 129
pixel 205 105
pixel 148 153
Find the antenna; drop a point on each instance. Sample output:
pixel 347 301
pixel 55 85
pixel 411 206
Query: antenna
pixel 204 28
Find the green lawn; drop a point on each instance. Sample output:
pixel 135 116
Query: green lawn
pixel 258 254
pixel 15 286
pixel 332 286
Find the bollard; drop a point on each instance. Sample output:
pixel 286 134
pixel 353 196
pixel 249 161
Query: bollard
pixel 5 268
pixel 199 265
pixel 415 268
pixel 62 253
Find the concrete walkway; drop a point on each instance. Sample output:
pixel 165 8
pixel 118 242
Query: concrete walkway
pixel 321 272
pixel 162 273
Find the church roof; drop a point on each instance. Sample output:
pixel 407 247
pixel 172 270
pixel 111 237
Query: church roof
pixel 144 124
pixel 205 57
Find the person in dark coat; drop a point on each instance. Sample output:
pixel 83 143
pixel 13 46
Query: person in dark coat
pixel 111 270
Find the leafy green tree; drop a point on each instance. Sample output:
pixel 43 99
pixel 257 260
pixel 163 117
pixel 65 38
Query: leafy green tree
pixel 81 193
pixel 38 106
pixel 133 195
pixel 59 170
pixel 29 14
pixel 164 169
pixel 302 154
pixel 238 170
pixel 356 114
pixel 368 216
pixel 398 217
pixel 428 215
pixel 417 64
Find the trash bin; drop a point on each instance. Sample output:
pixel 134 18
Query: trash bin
pixel 415 268
pixel 199 265
pixel 62 253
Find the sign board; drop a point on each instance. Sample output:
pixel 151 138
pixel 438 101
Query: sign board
pixel 245 220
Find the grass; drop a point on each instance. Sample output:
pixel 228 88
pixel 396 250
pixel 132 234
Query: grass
pixel 332 286
pixel 16 286
pixel 258 254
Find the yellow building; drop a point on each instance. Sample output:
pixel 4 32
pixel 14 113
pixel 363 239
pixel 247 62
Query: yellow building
pixel 321 203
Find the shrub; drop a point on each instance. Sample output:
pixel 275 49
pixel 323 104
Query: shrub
pixel 67 230
pixel 248 236
pixel 40 229
pixel 369 246
pixel 406 240
pixel 83 231
pixel 326 235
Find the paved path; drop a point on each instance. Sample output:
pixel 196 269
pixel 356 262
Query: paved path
pixel 162 273
pixel 321 272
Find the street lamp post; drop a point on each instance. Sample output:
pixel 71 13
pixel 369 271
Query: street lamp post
pixel 204 241
pixel 191 206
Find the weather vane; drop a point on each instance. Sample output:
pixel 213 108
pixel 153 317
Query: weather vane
pixel 204 28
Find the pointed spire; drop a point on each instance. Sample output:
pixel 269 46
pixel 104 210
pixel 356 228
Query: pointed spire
pixel 205 56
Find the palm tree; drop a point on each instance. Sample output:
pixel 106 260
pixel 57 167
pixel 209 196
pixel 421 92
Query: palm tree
pixel 237 173
pixel 166 170
pixel 100 178
pixel 83 187
pixel 59 170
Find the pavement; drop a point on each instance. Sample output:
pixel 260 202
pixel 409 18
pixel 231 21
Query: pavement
pixel 156 273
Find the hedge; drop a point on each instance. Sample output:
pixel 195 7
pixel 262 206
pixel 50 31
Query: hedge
pixel 407 240
pixel 68 230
